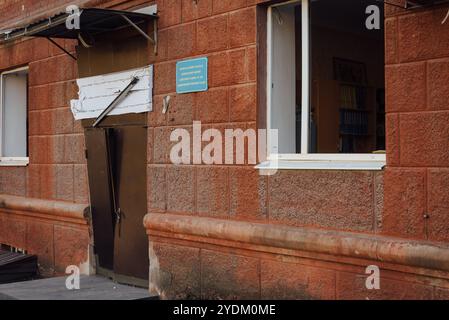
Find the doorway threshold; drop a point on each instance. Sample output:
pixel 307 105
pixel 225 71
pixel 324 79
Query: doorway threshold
pixel 91 288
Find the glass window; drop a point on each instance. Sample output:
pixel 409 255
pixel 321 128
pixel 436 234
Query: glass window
pixel 326 79
pixel 13 112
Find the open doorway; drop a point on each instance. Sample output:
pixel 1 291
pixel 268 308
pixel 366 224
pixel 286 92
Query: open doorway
pixel 117 164
pixel 116 157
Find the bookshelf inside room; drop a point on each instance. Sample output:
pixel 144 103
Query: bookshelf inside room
pixel 362 119
pixel 347 81
pixel 355 117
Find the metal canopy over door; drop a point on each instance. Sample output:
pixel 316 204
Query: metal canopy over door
pixel 117 156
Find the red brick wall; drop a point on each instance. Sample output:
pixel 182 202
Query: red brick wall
pixel 341 200
pixel 55 145
pixel 57 241
pixel 417 102
pixel 225 31
pixel 57 170
pixel 239 273
pixel 21 12
pixel 55 141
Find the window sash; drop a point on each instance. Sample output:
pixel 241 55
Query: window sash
pixel 304 155
pixel 11 160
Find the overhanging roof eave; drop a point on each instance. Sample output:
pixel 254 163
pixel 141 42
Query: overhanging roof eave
pixel 90 18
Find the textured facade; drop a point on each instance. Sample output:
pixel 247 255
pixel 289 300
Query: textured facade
pixel 223 231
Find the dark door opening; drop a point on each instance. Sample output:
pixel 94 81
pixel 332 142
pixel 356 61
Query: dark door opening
pixel 117 165
pixel 116 158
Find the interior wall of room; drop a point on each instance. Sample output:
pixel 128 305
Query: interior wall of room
pixel 328 44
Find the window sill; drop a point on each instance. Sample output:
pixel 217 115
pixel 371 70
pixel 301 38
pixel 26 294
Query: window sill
pixel 14 162
pixel 273 165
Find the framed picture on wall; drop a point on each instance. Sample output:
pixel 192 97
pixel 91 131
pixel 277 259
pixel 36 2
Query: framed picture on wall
pixel 349 71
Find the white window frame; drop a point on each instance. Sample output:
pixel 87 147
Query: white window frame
pixel 9 161
pixel 306 160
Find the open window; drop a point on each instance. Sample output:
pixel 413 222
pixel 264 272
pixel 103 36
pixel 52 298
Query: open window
pixel 325 84
pixel 13 117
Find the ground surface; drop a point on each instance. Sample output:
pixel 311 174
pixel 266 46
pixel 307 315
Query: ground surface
pixel 91 288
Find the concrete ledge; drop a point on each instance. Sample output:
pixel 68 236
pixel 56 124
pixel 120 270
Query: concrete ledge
pixel 50 208
pixel 420 254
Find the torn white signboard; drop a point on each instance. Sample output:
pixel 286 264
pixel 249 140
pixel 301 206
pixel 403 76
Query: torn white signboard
pixel 96 93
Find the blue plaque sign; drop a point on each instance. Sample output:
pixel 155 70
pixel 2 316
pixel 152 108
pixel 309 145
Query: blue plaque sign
pixel 191 75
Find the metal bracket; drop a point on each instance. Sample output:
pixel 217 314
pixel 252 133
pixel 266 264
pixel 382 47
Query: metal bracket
pixel 407 4
pixel 413 4
pixel 143 33
pixel 116 101
pixel 445 18
pixel 392 4
pixel 83 41
pixel 165 104
pixel 62 48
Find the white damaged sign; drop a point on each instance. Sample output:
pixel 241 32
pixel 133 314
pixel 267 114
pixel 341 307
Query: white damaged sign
pixel 96 93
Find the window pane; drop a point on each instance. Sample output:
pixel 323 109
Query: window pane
pixel 347 77
pixel 14 133
pixel 286 76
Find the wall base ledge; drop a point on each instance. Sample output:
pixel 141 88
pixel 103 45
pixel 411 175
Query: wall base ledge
pixel 45 209
pixel 430 258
